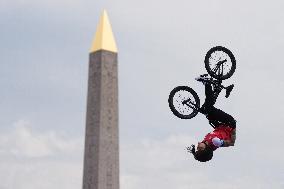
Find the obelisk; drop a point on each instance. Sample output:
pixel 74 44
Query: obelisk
pixel 101 160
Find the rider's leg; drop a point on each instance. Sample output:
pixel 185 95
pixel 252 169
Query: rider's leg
pixel 213 113
pixel 209 99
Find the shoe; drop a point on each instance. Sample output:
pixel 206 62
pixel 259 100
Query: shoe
pixel 229 90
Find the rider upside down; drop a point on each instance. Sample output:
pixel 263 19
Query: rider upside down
pixel 224 134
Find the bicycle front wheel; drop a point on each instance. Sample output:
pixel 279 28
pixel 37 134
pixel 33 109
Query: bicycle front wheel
pixel 184 102
pixel 220 63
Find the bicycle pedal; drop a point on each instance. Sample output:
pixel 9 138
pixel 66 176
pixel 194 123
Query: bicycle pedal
pixel 229 90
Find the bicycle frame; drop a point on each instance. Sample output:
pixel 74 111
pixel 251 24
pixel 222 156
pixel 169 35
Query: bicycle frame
pixel 217 88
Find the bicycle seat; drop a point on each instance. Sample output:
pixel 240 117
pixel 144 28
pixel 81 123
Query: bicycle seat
pixel 203 78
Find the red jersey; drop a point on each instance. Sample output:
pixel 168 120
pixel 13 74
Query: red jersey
pixel 223 132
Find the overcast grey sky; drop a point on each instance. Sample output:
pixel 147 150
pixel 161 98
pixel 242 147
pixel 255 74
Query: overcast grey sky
pixel 44 62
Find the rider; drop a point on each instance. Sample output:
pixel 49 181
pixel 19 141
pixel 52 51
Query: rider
pixel 224 125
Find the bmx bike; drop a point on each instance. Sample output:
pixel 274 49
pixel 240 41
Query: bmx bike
pixel 220 64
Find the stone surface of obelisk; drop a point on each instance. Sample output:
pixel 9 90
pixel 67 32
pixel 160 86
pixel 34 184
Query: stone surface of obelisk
pixel 101 159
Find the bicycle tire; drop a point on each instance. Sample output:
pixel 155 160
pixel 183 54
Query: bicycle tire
pixel 211 72
pixel 195 105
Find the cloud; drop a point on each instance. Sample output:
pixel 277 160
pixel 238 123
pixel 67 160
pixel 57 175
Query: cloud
pixel 164 163
pixel 23 142
pixel 44 160
pixel 40 173
pixel 32 159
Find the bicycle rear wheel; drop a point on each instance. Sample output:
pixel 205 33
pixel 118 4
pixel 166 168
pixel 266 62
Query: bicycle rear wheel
pixel 184 102
pixel 220 63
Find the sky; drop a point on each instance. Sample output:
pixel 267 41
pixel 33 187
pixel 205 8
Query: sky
pixel 161 44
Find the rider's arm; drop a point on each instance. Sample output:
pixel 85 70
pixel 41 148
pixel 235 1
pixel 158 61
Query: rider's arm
pixel 232 141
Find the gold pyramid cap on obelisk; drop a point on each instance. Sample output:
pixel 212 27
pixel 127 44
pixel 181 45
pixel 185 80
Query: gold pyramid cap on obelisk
pixel 104 39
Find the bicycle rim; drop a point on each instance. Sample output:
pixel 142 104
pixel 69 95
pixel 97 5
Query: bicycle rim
pixel 220 62
pixel 184 102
